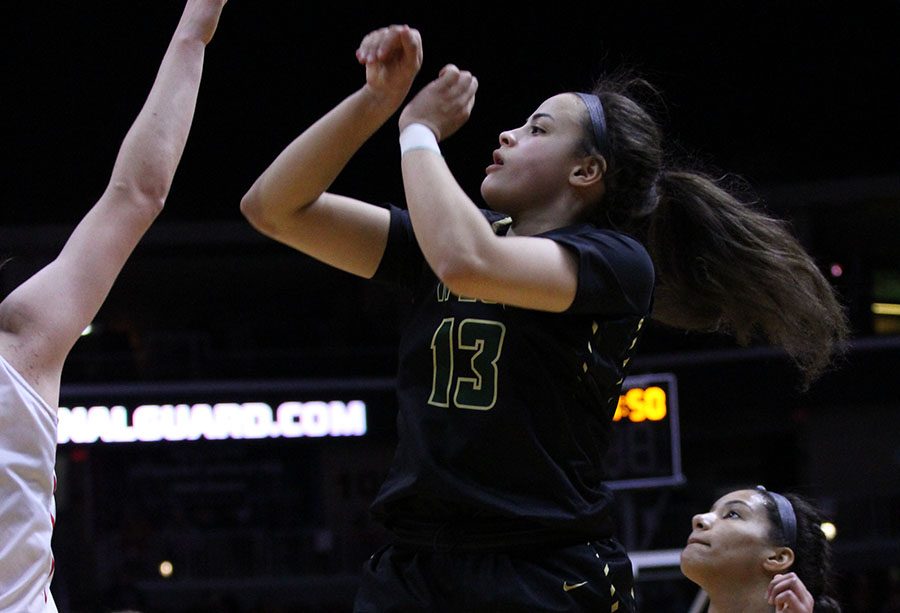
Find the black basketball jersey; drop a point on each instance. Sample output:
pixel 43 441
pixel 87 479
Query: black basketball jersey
pixel 505 411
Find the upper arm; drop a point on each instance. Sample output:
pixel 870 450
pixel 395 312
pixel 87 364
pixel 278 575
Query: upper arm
pixel 43 317
pixel 342 232
pixel 599 272
pixel 523 271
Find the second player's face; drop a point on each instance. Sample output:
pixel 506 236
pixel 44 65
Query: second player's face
pixel 534 161
pixel 731 540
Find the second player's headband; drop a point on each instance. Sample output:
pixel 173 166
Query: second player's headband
pixel 786 514
pixel 598 121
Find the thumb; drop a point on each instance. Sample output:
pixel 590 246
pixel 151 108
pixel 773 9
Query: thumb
pixel 450 69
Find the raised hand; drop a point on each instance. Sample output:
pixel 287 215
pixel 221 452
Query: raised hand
pixel 443 105
pixel 392 57
pixel 787 593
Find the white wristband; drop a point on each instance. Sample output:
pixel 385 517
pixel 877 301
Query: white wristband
pixel 418 136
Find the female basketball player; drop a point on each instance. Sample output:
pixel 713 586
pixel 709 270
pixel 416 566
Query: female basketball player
pixel 526 314
pixel 42 318
pixel 755 549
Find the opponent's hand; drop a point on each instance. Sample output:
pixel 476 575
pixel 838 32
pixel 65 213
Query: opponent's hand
pixel 787 593
pixel 200 19
pixel 443 105
pixel 392 57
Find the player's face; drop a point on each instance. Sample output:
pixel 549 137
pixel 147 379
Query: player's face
pixel 532 166
pixel 731 541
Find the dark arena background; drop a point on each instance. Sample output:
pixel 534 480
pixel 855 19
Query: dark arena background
pixel 230 416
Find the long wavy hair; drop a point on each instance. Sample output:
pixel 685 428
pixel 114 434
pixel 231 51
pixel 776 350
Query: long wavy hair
pixel 723 263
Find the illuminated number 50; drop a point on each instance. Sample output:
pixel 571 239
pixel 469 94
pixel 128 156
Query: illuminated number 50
pixel 475 387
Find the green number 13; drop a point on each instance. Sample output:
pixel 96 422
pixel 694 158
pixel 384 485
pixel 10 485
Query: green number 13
pixel 475 387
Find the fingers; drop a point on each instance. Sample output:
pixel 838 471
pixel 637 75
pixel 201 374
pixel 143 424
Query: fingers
pixel 788 601
pixel 778 584
pixel 445 104
pixel 788 593
pixel 380 44
pixel 411 40
pixel 458 84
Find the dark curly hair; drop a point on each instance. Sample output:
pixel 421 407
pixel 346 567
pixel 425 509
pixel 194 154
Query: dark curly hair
pixel 812 552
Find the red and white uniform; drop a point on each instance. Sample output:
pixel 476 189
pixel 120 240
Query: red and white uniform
pixel 27 503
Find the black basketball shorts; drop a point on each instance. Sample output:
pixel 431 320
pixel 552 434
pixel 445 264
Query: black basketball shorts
pixel 591 576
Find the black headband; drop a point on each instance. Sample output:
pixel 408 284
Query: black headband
pixel 598 121
pixel 786 514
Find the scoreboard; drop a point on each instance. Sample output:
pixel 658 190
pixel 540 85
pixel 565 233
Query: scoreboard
pixel 646 446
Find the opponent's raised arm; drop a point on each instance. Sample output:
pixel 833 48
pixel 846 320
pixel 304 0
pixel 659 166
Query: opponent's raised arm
pixel 41 319
pixel 289 202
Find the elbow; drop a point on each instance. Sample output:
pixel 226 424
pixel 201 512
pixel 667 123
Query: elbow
pixel 266 214
pixel 460 274
pixel 255 213
pixel 146 199
pixel 154 203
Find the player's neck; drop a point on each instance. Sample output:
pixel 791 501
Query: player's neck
pixel 746 598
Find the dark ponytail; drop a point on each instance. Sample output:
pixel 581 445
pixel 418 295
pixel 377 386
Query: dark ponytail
pixel 722 263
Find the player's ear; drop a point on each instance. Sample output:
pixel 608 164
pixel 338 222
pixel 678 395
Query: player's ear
pixel 779 560
pixel 588 171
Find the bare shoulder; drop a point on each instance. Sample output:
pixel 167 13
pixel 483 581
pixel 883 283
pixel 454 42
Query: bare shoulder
pixel 11 322
pixel 21 348
pixel 15 354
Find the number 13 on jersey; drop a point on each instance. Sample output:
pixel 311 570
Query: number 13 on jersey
pixel 465 356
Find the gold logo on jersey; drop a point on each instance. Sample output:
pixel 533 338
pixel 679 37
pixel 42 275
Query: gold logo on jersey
pixel 568 587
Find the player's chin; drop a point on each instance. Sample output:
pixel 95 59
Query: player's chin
pixel 494 196
pixel 694 564
pixel 486 189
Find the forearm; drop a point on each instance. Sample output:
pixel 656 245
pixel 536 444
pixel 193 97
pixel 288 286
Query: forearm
pixel 454 236
pixel 45 315
pixel 309 165
pixel 100 245
pixel 152 148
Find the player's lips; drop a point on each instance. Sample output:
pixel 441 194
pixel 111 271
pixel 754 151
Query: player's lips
pixel 693 540
pixel 498 162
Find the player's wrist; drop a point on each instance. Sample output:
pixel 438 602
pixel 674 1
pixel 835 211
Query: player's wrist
pixel 418 136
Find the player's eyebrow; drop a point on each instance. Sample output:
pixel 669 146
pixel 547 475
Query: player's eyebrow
pixel 734 502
